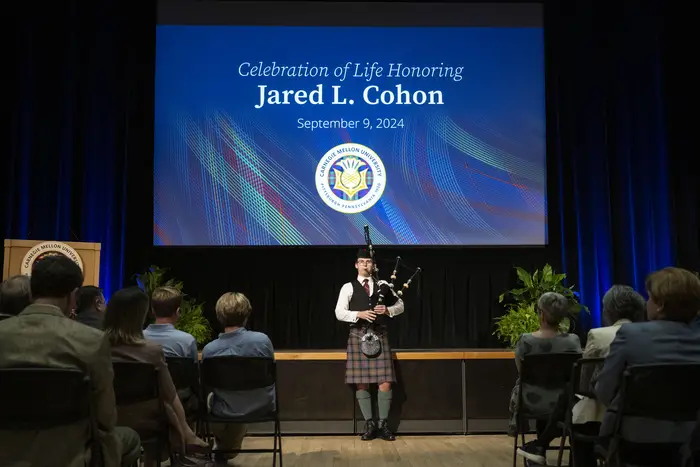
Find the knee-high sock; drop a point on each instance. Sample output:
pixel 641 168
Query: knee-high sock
pixel 365 400
pixel 384 403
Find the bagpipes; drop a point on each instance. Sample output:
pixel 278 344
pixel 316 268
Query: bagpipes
pixel 386 289
pixel 371 344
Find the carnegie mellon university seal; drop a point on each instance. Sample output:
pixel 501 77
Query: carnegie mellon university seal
pixel 350 178
pixel 42 250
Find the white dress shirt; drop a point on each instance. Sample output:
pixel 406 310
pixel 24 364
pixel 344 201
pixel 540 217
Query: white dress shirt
pixel 342 310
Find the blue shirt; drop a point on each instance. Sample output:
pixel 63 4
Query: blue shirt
pixel 175 343
pixel 241 343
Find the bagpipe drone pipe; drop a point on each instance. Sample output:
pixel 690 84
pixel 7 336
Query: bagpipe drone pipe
pixel 388 296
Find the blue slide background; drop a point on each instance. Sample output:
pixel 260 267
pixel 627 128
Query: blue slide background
pixel 469 172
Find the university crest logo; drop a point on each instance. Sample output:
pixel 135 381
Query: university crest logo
pixel 42 250
pixel 350 178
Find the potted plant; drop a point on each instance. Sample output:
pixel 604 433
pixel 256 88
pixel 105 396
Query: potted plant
pixel 192 320
pixel 521 313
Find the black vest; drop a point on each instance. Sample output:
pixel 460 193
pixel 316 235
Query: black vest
pixel 360 301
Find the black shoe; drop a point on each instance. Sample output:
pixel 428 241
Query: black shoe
pixel 384 432
pixel 533 452
pixel 370 431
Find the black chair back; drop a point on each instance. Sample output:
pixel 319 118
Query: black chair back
pixel 134 382
pixel 43 398
pixel 243 374
pixel 184 372
pixel 238 373
pixel 585 372
pixel 549 370
pixel 666 391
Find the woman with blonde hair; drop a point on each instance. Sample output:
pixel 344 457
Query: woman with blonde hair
pixel 124 319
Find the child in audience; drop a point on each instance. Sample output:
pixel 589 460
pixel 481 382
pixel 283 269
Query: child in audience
pixel 233 311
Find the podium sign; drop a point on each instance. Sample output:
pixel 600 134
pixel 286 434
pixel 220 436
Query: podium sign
pixel 20 256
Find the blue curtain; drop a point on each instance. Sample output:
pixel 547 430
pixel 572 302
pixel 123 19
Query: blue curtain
pixel 608 116
pixel 65 176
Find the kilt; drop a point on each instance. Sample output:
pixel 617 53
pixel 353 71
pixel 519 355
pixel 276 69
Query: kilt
pixel 359 369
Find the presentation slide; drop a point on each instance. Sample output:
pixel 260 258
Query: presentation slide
pixel 301 134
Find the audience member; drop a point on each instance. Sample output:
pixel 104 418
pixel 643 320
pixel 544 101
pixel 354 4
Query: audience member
pixel 15 296
pixel 42 335
pixel 233 311
pixel 552 308
pixel 90 307
pixel 621 305
pixel 165 305
pixel 124 319
pixel 674 301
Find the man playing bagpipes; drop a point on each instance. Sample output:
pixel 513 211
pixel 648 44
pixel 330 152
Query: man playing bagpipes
pixel 363 303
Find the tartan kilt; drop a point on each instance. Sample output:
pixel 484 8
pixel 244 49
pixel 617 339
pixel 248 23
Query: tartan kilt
pixel 359 369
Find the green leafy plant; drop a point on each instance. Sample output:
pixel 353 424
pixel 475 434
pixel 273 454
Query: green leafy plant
pixel 192 318
pixel 521 313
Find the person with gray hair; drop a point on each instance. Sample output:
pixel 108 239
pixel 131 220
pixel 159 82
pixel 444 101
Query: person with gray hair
pixel 552 308
pixel 621 305
pixel 15 296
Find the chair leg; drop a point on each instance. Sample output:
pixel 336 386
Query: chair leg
pixel 279 435
pixel 515 446
pixel 560 455
pixel 274 446
pixel 207 434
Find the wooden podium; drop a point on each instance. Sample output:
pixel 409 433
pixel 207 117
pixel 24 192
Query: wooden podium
pixel 20 255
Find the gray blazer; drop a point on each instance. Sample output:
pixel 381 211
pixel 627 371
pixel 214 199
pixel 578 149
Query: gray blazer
pixel 42 335
pixel 651 342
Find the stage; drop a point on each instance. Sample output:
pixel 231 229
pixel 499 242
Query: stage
pixel 406 451
pixel 455 391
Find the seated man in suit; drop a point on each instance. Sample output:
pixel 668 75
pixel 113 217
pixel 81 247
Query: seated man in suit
pixel 674 301
pixel 90 307
pixel 233 311
pixel 43 335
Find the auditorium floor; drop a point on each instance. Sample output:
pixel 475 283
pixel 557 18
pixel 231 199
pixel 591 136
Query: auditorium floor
pixel 406 451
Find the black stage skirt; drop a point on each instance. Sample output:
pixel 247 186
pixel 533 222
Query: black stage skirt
pixel 360 369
